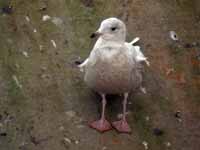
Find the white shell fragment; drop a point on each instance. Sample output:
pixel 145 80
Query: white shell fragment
pixel 173 35
pixel 57 21
pixel 147 118
pixel 168 144
pixel 70 114
pixel 16 81
pixel 143 90
pixel 77 142
pixel 25 54
pixel 169 71
pixel 27 18
pixel 145 145
pixel 54 43
pixel 34 30
pixel 17 66
pixel 104 148
pixel 119 116
pixel 41 47
pixel 67 140
pixel 46 17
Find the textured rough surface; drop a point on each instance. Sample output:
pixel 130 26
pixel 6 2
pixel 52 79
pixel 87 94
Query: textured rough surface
pixel 44 103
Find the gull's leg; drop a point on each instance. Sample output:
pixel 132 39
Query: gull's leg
pixel 122 125
pixel 101 125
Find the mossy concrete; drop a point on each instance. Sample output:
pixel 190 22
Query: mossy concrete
pixel 49 106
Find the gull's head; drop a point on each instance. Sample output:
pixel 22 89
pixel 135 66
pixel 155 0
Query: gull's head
pixel 111 29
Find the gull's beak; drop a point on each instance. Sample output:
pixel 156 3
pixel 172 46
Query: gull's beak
pixel 95 35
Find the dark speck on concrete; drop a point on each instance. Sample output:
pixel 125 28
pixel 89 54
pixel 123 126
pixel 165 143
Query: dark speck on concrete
pixel 1 117
pixel 3 134
pixel 88 3
pixel 188 45
pixel 196 44
pixel 177 114
pixel 78 62
pixel 7 10
pixel 158 132
pixel 198 57
pixel 34 140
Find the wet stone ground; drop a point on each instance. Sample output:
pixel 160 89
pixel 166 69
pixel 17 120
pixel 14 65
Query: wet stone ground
pixel 44 103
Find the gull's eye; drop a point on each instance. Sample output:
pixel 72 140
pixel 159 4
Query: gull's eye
pixel 113 28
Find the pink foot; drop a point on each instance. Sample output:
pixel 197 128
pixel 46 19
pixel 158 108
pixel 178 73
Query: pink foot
pixel 121 126
pixel 101 125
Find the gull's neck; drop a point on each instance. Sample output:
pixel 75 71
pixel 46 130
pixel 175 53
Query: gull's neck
pixel 106 43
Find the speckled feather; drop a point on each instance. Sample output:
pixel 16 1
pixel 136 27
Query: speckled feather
pixel 112 70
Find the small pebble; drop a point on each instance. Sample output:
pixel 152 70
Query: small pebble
pixel 34 30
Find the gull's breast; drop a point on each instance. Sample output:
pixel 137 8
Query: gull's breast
pixel 112 73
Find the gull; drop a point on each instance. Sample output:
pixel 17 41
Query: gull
pixel 113 67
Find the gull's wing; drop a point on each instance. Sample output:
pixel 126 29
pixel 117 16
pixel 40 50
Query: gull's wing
pixel 136 52
pixel 135 40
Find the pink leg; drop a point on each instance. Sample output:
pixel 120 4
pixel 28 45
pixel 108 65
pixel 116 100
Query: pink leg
pixel 101 125
pixel 122 125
